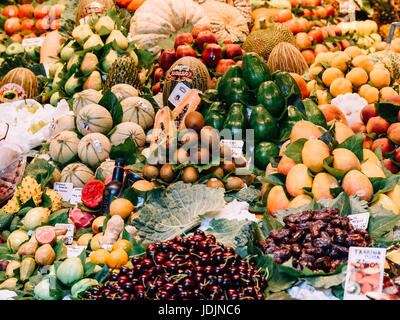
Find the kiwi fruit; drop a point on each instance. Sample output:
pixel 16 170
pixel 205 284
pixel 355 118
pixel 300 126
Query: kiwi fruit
pixel 225 152
pixel 218 171
pixel 190 175
pixel 214 183
pixel 142 185
pixel 181 156
pixel 209 137
pixel 190 138
pixel 228 166
pixel 234 183
pixel 248 179
pixel 194 120
pixel 240 162
pixel 150 172
pixel 201 156
pixel 167 173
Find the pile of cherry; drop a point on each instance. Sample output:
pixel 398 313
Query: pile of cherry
pixel 318 240
pixel 192 268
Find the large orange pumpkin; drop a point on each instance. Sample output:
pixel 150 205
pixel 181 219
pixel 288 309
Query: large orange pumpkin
pixel 332 112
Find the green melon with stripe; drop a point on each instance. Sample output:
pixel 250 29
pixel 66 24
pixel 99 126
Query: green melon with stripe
pixel 138 110
pixel 77 174
pixel 94 148
pixel 64 146
pixel 94 119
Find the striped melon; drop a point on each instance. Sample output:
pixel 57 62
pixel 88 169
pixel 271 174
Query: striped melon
pixel 84 98
pixel 24 78
pixel 286 57
pixel 63 123
pixel 94 148
pixel 105 169
pixel 188 71
pixel 127 130
pixel 138 110
pixel 94 118
pixel 64 146
pixel 123 91
pixel 390 59
pixel 77 174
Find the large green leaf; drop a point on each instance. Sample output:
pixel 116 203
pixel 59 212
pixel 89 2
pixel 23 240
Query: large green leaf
pixel 383 185
pixel 276 179
pixel 293 150
pixel 177 211
pixel 249 194
pixel 326 282
pixel 41 170
pixel 388 111
pixel 126 150
pixel 355 144
pixel 382 222
pixel 111 103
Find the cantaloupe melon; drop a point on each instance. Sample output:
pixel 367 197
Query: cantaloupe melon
pixel 94 118
pixel 127 130
pixel 138 110
pixel 77 174
pixel 94 148
pixel 63 123
pixel 84 98
pixel 64 146
pixel 123 91
pixel 105 169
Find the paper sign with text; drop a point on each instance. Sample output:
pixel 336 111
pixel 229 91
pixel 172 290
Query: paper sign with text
pixel 235 145
pixel 76 196
pixel 364 272
pixel 64 189
pixel 359 220
pixel 74 251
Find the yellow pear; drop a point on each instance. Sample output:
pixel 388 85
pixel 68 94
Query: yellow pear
pixel 313 155
pixel 299 201
pixel 342 131
pixel 297 179
pixel 387 203
pixel 322 184
pixel 372 170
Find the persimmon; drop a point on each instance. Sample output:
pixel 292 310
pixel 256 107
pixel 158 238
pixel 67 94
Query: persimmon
pixel 285 15
pixel 55 24
pixel 10 11
pixel 56 11
pixel 308 55
pixel 25 11
pixel 293 25
pixel 12 25
pixel 123 3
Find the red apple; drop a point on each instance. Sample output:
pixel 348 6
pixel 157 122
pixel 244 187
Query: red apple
pixel 205 37
pixel 391 166
pixel 183 38
pixel 232 50
pixel 358 127
pixel 212 54
pixel 213 82
pixel 384 143
pixel 228 41
pixel 158 74
pixel 397 155
pixel 224 65
pixel 368 112
pixel 185 51
pixel 167 59
pixel 199 28
pixel 156 88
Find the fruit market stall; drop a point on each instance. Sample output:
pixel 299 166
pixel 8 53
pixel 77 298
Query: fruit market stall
pixel 199 150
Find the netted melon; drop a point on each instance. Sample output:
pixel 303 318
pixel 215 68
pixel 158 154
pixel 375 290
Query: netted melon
pixel 84 98
pixel 63 123
pixel 123 91
pixel 64 146
pixel 105 169
pixel 77 174
pixel 391 61
pixel 94 118
pixel 127 130
pixel 263 41
pixel 138 110
pixel 286 57
pixel 94 148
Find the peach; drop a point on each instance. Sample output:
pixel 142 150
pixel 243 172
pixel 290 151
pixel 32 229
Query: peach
pixel 277 200
pixel 377 125
pixel 391 166
pixel 297 179
pixel 368 112
pixel 395 195
pixel 394 132
pixel 357 183
pixel 393 99
pixel 313 154
pixel 322 184
pixel 397 155
pixel 344 159
pixel 384 143
pixel 367 143
pixel 358 127
pixel 285 165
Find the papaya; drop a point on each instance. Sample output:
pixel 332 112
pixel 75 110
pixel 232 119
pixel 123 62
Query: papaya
pixel 188 104
pixel 164 129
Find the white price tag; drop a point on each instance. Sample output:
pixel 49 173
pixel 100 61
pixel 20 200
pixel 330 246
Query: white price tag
pixel 235 145
pixel 64 189
pixel 33 41
pixel 76 196
pixel 364 272
pixel 107 246
pixel 359 220
pixel 68 238
pixel 179 92
pixel 74 251
pixel 44 269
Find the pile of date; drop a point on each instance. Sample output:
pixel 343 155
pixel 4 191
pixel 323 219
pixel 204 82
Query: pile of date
pixel 318 240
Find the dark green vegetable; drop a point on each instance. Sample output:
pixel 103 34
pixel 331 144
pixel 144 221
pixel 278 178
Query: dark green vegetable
pixel 264 125
pixel 287 85
pixel 293 115
pixel 313 113
pixel 233 72
pixel 236 91
pixel 263 153
pixel 271 98
pixel 255 71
